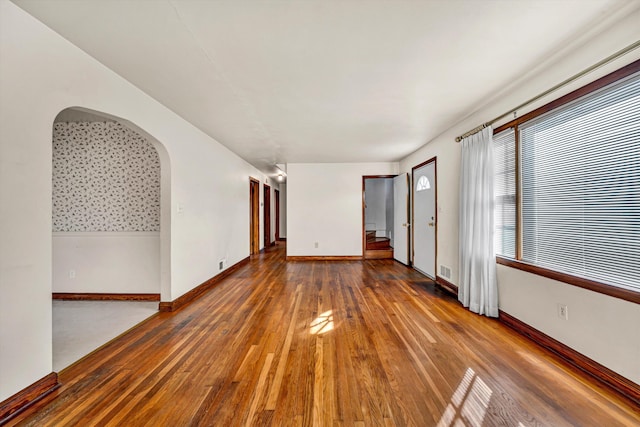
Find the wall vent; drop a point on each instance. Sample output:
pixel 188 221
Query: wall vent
pixel 445 272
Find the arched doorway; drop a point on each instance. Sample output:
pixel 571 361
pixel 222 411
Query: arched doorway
pixel 110 230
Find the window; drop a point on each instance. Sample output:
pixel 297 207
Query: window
pixel 579 194
pixel 423 184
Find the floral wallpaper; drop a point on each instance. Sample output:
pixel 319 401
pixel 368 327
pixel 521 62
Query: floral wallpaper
pixel 106 177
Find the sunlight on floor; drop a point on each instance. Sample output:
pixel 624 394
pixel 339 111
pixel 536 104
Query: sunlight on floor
pixel 323 323
pixel 469 402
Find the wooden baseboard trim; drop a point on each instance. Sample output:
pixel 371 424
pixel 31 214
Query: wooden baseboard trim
pixel 27 397
pixel 447 285
pixel 606 376
pixel 324 258
pixel 166 306
pixel 69 296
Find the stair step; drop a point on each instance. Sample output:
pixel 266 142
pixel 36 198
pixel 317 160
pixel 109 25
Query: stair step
pixel 379 254
pixel 379 243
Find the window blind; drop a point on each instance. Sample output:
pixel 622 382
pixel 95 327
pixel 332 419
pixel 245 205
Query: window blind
pixel 504 154
pixel 580 173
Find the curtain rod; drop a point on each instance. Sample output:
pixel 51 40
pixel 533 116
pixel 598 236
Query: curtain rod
pixel 582 73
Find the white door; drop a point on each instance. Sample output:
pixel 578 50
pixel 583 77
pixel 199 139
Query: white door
pixel 401 218
pixel 424 219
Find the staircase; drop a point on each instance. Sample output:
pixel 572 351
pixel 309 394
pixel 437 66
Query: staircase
pixel 377 247
pixel 377 243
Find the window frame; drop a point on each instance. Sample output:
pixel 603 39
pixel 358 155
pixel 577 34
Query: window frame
pixel 517 263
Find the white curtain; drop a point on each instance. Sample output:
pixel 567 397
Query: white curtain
pixel 477 289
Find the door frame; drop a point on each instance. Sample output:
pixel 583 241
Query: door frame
pixel 267 215
pixel 254 216
pixel 364 232
pixel 276 194
pixel 412 193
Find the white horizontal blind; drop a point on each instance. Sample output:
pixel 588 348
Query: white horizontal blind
pixel 581 187
pixel 504 155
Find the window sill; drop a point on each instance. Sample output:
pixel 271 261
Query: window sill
pixel 580 282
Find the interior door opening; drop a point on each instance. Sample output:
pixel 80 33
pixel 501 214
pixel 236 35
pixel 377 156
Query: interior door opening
pixel 267 216
pixel 276 194
pixel 377 213
pixel 254 216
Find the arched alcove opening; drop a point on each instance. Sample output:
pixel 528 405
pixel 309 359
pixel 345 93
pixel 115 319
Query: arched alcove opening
pixel 111 229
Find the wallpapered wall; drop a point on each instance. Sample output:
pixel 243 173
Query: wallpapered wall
pixel 106 177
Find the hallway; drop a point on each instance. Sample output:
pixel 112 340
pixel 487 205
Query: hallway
pixel 325 343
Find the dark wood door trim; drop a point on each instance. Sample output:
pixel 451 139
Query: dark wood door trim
pixel 277 213
pixel 267 215
pixel 254 216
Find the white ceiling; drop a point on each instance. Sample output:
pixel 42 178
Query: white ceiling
pixel 321 81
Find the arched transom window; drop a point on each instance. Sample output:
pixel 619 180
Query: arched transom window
pixel 423 183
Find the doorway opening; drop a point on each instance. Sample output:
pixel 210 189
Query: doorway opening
pixel 254 215
pixel 110 230
pixel 276 194
pixel 378 218
pixel 424 191
pixel 385 217
pixel 267 216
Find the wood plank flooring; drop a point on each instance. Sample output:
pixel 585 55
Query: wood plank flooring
pixel 346 343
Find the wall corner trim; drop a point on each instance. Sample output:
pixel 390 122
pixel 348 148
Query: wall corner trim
pixel 612 380
pixel 447 286
pixel 27 397
pixel 195 293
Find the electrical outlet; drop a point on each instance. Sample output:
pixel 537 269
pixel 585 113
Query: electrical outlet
pixel 72 274
pixel 315 245
pixel 563 311
pixel 221 265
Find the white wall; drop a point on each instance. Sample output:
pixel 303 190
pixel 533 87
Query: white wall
pixel 324 205
pixel 41 74
pixel 106 262
pixel 596 325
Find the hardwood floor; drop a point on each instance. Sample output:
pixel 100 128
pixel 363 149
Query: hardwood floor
pixel 353 343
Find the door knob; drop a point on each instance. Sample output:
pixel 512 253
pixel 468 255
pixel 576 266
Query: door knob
pixel 432 224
